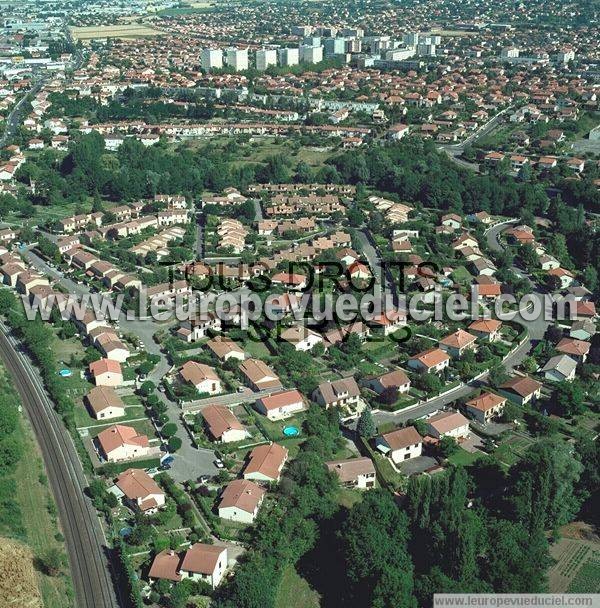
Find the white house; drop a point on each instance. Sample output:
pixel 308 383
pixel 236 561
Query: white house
pixel 401 444
pixel 241 500
pixel 280 405
pixel 202 376
pixel 206 563
pixel 448 424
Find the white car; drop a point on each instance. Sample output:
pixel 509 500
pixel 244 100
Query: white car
pixel 219 463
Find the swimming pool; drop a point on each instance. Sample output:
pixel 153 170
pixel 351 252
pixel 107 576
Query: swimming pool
pixel 65 373
pixel 291 431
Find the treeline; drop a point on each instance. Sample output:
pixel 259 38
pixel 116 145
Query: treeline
pixel 479 529
pixel 37 337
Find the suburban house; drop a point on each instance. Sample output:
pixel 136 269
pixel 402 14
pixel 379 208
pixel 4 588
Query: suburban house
pixel 576 349
pixel 342 393
pixel 521 389
pixel 486 407
pixel 266 463
pixel 354 472
pixel 200 562
pixel 120 442
pixel 448 424
pixel 140 491
pixel 103 403
pixel 301 338
pixel 106 372
pixel 584 329
pixel 396 379
pixel 203 377
pixel 223 424
pixel 225 348
pixel 560 368
pixel 165 567
pixel 241 500
pixel 457 343
pixel 388 322
pixel 401 444
pixel 432 360
pixel 280 405
pixel 203 562
pixel 486 329
pixel 259 375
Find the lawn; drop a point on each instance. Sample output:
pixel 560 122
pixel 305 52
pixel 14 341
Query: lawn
pixel 83 419
pixel 295 591
pixel 463 458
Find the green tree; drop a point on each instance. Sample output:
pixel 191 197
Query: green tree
pixel 366 426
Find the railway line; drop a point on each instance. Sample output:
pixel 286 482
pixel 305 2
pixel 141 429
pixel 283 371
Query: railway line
pixel 85 540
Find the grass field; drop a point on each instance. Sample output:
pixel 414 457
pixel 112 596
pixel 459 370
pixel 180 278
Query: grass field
pixel 295 591
pixel 587 580
pixel 131 30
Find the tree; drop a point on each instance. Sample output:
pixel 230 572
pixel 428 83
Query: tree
pixel 516 562
pixel 568 398
pixel 174 444
pixel 366 426
pixel 375 538
pixel 590 278
pixel 448 446
pixel 542 493
pixel 497 375
pixel 52 562
pixel 168 430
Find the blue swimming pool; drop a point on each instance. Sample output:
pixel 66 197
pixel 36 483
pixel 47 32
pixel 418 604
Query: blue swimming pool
pixel 291 431
pixel 65 373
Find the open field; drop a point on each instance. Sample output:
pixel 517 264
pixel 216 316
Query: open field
pixel 131 30
pixel 577 568
pixel 295 591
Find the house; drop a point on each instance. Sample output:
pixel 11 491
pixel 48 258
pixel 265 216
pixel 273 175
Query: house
pixel 452 220
pixel 119 442
pixel 398 131
pixel 203 377
pixel 280 405
pixel 106 372
pixel 396 379
pixel 241 500
pixel 486 329
pixel 342 393
pixel 521 389
pixel 354 472
pixel 290 280
pixel 432 360
pixel 448 424
pixel 576 349
pixel 388 322
pixel 486 407
pixel 401 444
pixel 225 348
pixel 565 277
pixel 301 338
pixel 584 329
pixel 165 567
pixel 104 403
pixel 560 368
pixel 223 424
pixel 266 463
pixel 206 563
pixel 259 375
pixel 112 348
pixel 140 491
pixel 457 343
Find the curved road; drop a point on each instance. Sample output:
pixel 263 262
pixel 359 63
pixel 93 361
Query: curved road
pixel 84 536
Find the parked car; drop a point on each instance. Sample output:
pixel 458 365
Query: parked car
pixel 219 463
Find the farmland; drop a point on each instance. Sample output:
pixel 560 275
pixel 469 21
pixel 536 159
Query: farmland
pixel 131 30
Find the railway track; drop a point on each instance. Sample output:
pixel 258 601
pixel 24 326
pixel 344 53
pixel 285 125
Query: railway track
pixel 86 544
